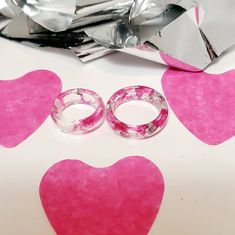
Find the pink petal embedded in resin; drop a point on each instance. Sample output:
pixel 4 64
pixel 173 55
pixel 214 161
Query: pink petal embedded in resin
pixel 74 97
pixel 142 93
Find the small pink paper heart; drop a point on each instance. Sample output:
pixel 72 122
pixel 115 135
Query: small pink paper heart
pixel 25 103
pixel 123 199
pixel 203 102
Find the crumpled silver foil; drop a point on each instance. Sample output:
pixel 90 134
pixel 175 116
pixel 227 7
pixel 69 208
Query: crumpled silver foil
pixel 9 9
pixel 193 32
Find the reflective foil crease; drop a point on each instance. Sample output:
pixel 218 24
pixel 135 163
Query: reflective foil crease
pixel 188 34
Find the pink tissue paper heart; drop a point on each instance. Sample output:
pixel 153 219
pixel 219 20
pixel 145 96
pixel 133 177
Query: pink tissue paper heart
pixel 203 102
pixel 25 103
pixel 123 199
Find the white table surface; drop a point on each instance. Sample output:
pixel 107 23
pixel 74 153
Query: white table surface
pixel 200 180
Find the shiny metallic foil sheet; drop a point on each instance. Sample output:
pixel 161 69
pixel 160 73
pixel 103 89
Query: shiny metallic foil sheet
pixel 189 34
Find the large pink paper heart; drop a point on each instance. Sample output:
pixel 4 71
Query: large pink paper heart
pixel 25 103
pixel 123 199
pixel 203 102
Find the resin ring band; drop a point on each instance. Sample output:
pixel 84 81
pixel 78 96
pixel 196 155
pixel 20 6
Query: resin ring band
pixel 74 97
pixel 137 93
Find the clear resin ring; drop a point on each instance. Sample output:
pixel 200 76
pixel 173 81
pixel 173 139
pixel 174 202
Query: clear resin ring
pixel 131 93
pixel 74 97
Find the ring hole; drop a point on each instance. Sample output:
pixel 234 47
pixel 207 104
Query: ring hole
pixel 78 112
pixel 136 112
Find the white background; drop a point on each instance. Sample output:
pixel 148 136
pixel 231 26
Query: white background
pixel 199 179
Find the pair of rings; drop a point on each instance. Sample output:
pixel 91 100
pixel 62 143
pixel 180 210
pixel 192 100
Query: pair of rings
pixel 95 120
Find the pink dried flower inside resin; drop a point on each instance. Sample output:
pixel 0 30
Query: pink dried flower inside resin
pixel 131 93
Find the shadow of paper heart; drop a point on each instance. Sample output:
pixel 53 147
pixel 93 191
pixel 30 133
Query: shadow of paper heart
pixel 121 199
pixel 25 103
pixel 203 102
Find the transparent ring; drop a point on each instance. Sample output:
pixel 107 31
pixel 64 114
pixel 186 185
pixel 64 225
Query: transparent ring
pixel 131 93
pixel 74 97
